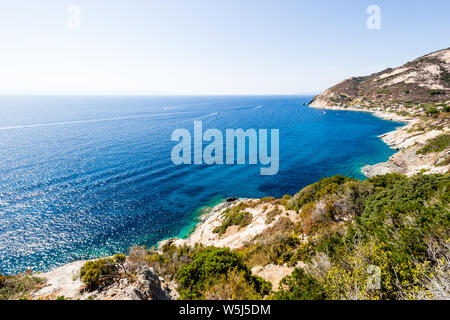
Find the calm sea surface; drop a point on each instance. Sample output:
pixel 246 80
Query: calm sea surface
pixel 87 176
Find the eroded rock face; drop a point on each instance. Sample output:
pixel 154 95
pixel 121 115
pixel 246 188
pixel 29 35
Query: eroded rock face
pixel 149 286
pixel 146 285
pixel 414 81
pixel 235 236
pixel 407 161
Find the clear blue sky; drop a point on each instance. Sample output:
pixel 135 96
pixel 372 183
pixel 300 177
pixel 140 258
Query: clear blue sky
pixel 209 46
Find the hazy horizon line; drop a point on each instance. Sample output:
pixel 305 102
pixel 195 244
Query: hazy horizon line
pixel 160 94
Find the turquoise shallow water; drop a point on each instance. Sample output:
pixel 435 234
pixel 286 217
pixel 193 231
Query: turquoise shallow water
pixel 88 176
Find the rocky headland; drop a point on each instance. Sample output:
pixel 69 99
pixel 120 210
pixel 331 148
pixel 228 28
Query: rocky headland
pixel 418 94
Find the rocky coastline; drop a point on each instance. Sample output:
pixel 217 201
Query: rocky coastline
pixel 65 281
pixel 406 139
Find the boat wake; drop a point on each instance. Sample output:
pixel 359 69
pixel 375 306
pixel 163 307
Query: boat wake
pixel 62 123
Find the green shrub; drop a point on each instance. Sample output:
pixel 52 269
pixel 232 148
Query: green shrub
pixel 233 286
pixel 285 200
pixel 316 191
pixel 234 217
pixel 436 144
pixel 270 216
pixel 396 217
pixel 18 286
pixel 404 217
pixel 387 180
pixel 300 286
pixel 210 265
pixel 436 92
pixel 171 258
pixel 96 272
pixel 432 111
pixel 384 91
pixel 445 77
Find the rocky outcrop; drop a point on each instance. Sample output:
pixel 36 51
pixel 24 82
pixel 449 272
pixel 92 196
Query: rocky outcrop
pixel 235 236
pixel 145 285
pixel 265 214
pixel 407 161
pixel 417 93
pixel 424 80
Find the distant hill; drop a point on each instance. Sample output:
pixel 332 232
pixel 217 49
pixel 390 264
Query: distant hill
pixel 424 80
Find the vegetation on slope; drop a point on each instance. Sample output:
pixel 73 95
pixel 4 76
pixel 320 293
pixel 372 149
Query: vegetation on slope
pixel 437 144
pixel 391 229
pixel 387 237
pixel 211 268
pixel 396 88
pixel 97 272
pixel 202 272
pixel 18 287
pixel 236 216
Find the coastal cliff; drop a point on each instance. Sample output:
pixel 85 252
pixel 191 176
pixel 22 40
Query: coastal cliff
pixel 425 80
pixel 417 93
pixel 324 242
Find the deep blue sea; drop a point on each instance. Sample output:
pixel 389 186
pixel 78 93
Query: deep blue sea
pixel 87 176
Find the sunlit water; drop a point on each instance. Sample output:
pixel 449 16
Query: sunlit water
pixel 87 176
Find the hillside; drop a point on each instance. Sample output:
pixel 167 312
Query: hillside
pixel 417 93
pixel 425 80
pixel 384 238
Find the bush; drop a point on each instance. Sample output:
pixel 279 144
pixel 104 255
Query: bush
pixel 171 258
pixel 436 92
pixel 436 144
pixel 300 286
pixel 97 272
pixel 316 191
pixel 285 200
pixel 234 217
pixel 384 91
pixel 394 219
pixel 18 286
pixel 387 180
pixel 401 219
pixel 445 77
pixel 432 111
pixel 270 216
pixel 210 265
pixel 233 286
pixel 355 275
